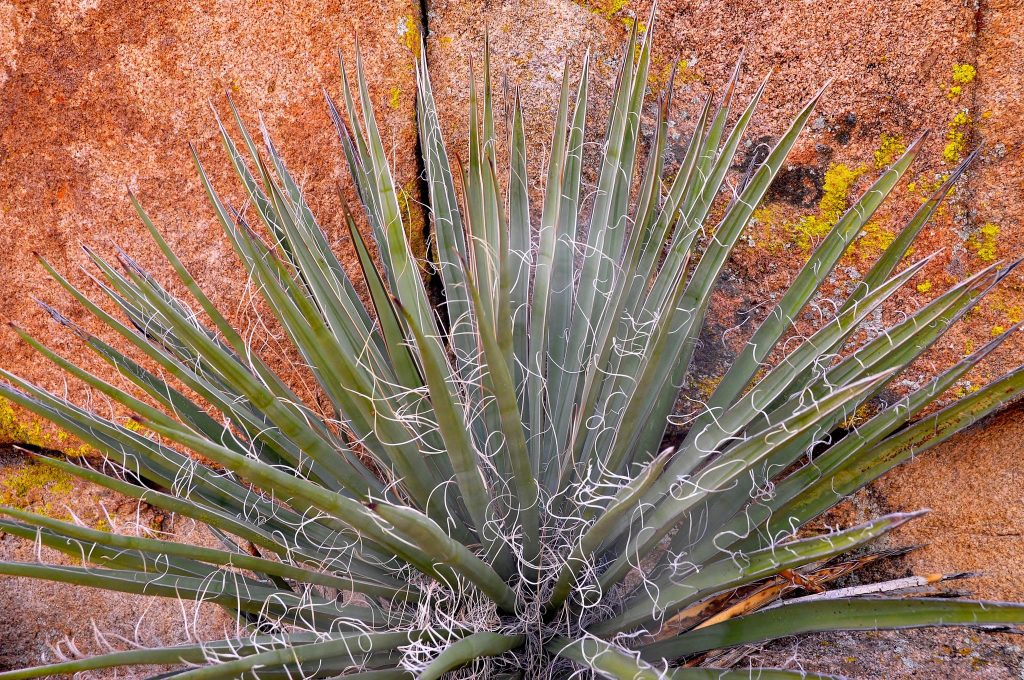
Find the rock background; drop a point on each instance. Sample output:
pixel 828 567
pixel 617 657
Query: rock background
pixel 96 96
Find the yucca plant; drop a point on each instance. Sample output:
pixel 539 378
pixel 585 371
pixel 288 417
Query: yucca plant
pixel 486 494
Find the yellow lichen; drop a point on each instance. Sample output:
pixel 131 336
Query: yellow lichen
pixel 412 217
pixel 839 179
pixel 874 239
pixel 707 385
pixel 610 10
pixel 954 92
pixel 890 148
pixel 863 413
pixel 20 429
pixel 985 243
pixel 762 230
pixel 134 426
pixel 763 215
pixel 612 7
pixel 409 33
pixel 395 98
pixel 661 69
pixel 924 286
pixel 26 487
pixel 961 391
pixel 956 137
pixel 964 74
pixel 998 330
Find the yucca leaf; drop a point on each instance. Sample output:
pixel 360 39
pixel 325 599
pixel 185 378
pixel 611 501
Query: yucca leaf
pixel 806 283
pixel 527 490
pixel 299 491
pixel 562 301
pixel 900 344
pixel 599 275
pixel 709 149
pixel 671 213
pixel 298 548
pixel 451 249
pixel 731 525
pixel 520 254
pixel 607 660
pixel 853 472
pixel 197 653
pixel 602 530
pixel 148 459
pixel 453 426
pixel 775 383
pixel 224 588
pixel 643 418
pixel 352 648
pixel 394 338
pixel 347 382
pixel 604 342
pixel 897 250
pixel 689 228
pixel 825 615
pixel 673 505
pixel 680 590
pixel 467 649
pixel 210 556
pixel 429 538
pixel 547 241
pixel 235 406
pixel 163 466
pixel 294 427
pixel 103 556
pixel 407 284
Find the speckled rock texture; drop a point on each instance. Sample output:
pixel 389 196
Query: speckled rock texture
pixel 96 96
pixel 100 97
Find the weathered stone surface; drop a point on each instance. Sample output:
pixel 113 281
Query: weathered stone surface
pixel 973 487
pixel 99 96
